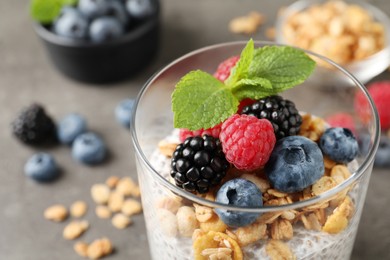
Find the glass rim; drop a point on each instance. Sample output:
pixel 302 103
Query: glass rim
pixel 194 198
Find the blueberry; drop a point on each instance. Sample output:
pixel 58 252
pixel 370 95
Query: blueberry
pixel 141 9
pixel 295 163
pixel 70 127
pixel 89 148
pixel 105 28
pixel 71 23
pixel 69 10
pixel 93 8
pixel 123 112
pixel 41 167
pixel 238 192
pixel 382 157
pixel 339 144
pixel 118 10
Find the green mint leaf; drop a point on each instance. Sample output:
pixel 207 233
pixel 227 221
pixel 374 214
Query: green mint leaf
pixel 45 11
pixel 69 2
pixel 285 67
pixel 241 69
pixel 255 88
pixel 201 101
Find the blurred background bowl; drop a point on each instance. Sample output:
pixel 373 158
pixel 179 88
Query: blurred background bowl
pixel 363 68
pixel 105 62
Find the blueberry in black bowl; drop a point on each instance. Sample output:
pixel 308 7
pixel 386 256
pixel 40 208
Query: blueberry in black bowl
pixel 98 41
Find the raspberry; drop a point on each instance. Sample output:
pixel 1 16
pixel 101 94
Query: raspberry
pixel 280 112
pixel 247 141
pixel 198 164
pixel 34 127
pixel 380 93
pixel 213 131
pixel 224 68
pixel 341 119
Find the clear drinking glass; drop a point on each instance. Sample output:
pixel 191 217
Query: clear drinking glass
pixel 153 122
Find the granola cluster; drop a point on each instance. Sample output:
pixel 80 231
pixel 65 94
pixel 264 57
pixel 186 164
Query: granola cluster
pixel 340 31
pixel 117 199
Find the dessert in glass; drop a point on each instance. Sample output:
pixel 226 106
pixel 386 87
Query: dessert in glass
pixel 264 207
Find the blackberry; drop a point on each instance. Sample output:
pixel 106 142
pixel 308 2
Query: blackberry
pixel 198 164
pixel 33 126
pixel 280 112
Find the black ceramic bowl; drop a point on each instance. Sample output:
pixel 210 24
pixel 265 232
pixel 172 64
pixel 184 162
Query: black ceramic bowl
pixel 103 62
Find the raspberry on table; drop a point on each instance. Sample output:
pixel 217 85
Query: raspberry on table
pixel 34 127
pixel 198 164
pixel 247 141
pixel 213 131
pixel 380 93
pixel 224 68
pixel 282 113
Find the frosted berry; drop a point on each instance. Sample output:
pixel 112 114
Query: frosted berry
pixel 42 167
pixel 224 68
pixel 380 94
pixel 281 112
pixel 295 163
pixel 239 192
pixel 213 131
pixel 339 144
pixel 89 148
pixel 71 126
pixel 247 141
pixel 382 157
pixel 198 164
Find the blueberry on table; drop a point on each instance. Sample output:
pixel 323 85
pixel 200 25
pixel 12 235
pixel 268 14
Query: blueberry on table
pixel 382 157
pixel 123 112
pixel 238 192
pixel 105 28
pixel 70 127
pixel 89 148
pixel 93 8
pixel 295 163
pixel 339 144
pixel 41 167
pixel 71 23
pixel 141 9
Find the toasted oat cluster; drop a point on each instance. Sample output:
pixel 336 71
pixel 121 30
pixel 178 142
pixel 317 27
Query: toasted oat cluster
pixel 213 239
pixel 117 199
pixel 340 31
pixel 247 24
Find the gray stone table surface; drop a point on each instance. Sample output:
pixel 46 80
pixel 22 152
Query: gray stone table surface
pixel 26 76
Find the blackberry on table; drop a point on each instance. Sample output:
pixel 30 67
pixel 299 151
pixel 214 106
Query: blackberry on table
pixel 280 112
pixel 198 164
pixel 33 126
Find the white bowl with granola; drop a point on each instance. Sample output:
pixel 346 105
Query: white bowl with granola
pixel 353 34
pixel 318 220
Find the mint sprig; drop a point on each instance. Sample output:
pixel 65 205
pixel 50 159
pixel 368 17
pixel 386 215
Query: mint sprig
pixel 202 101
pixel 46 11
